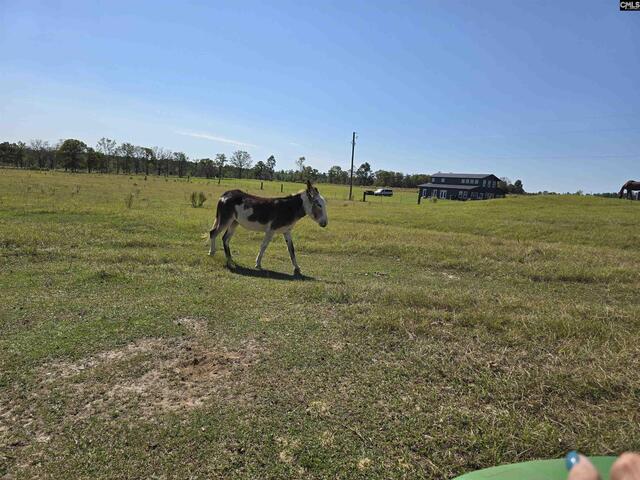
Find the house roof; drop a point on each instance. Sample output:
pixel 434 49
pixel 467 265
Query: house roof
pixel 462 175
pixel 450 186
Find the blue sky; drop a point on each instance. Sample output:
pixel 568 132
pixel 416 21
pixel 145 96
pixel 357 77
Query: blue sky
pixel 545 91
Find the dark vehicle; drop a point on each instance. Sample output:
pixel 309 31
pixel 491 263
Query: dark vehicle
pixel 383 192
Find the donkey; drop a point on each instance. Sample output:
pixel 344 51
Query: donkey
pixel 269 215
pixel 630 187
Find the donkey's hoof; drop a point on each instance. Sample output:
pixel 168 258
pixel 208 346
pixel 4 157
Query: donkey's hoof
pixel 297 273
pixel 231 265
pixel 211 253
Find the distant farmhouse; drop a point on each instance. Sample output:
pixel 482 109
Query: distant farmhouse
pixel 462 186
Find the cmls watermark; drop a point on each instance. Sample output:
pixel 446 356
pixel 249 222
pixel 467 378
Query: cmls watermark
pixel 629 6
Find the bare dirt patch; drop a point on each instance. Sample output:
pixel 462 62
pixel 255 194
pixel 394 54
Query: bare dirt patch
pixel 153 375
pixel 141 380
pixel 196 326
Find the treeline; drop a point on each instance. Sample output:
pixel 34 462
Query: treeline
pixel 515 188
pixel 107 156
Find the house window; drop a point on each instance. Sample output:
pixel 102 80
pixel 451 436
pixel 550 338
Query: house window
pixel 443 194
pixel 474 195
pixel 480 195
pixel 442 180
pixel 464 195
pixel 459 193
pixel 476 181
pixel 484 183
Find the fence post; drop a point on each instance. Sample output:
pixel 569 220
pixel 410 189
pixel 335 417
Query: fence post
pixel 261 185
pixel 364 196
pixel 419 196
pixel 281 187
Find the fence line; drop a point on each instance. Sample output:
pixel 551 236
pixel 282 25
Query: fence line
pixel 273 188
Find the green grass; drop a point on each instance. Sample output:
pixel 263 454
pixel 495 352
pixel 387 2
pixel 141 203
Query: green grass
pixel 430 340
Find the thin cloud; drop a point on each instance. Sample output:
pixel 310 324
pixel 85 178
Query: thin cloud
pixel 295 144
pixel 215 138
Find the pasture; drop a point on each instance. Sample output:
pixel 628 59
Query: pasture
pixel 426 340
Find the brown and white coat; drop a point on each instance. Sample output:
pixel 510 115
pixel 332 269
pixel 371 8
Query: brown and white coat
pixel 269 215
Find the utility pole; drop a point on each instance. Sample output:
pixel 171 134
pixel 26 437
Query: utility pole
pixel 353 147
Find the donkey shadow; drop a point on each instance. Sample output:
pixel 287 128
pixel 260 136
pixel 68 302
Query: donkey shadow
pixel 271 274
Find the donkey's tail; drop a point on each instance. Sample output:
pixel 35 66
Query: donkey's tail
pixel 217 221
pixel 207 236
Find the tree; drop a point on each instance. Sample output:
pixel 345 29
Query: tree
pixel 310 173
pixel 260 170
pixel 162 158
pixel 219 162
pixel 8 153
pixel 107 147
pixel 517 187
pixel 148 157
pixel 71 152
pixel 503 184
pixel 364 174
pixel 20 153
pixel 181 160
pixel 39 149
pixel 241 160
pixel 92 158
pixel 335 174
pixel 206 167
pixel 300 165
pixel 138 158
pixel 126 150
pixel 386 178
pixel 506 185
pixel 271 166
pixel 160 155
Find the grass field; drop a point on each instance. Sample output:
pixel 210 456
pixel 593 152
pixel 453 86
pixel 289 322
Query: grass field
pixel 428 340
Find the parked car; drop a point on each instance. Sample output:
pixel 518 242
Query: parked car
pixel 383 192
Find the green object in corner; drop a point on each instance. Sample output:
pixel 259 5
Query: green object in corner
pixel 536 470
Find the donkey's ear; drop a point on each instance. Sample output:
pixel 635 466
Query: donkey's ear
pixel 309 186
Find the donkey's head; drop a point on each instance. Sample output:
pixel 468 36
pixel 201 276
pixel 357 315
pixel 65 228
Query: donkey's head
pixel 314 205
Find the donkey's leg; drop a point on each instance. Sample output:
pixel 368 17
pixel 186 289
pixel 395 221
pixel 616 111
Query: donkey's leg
pixel 224 217
pixel 292 253
pixel 225 242
pixel 265 243
pixel 213 233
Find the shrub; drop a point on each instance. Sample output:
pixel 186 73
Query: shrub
pixel 128 200
pixel 198 199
